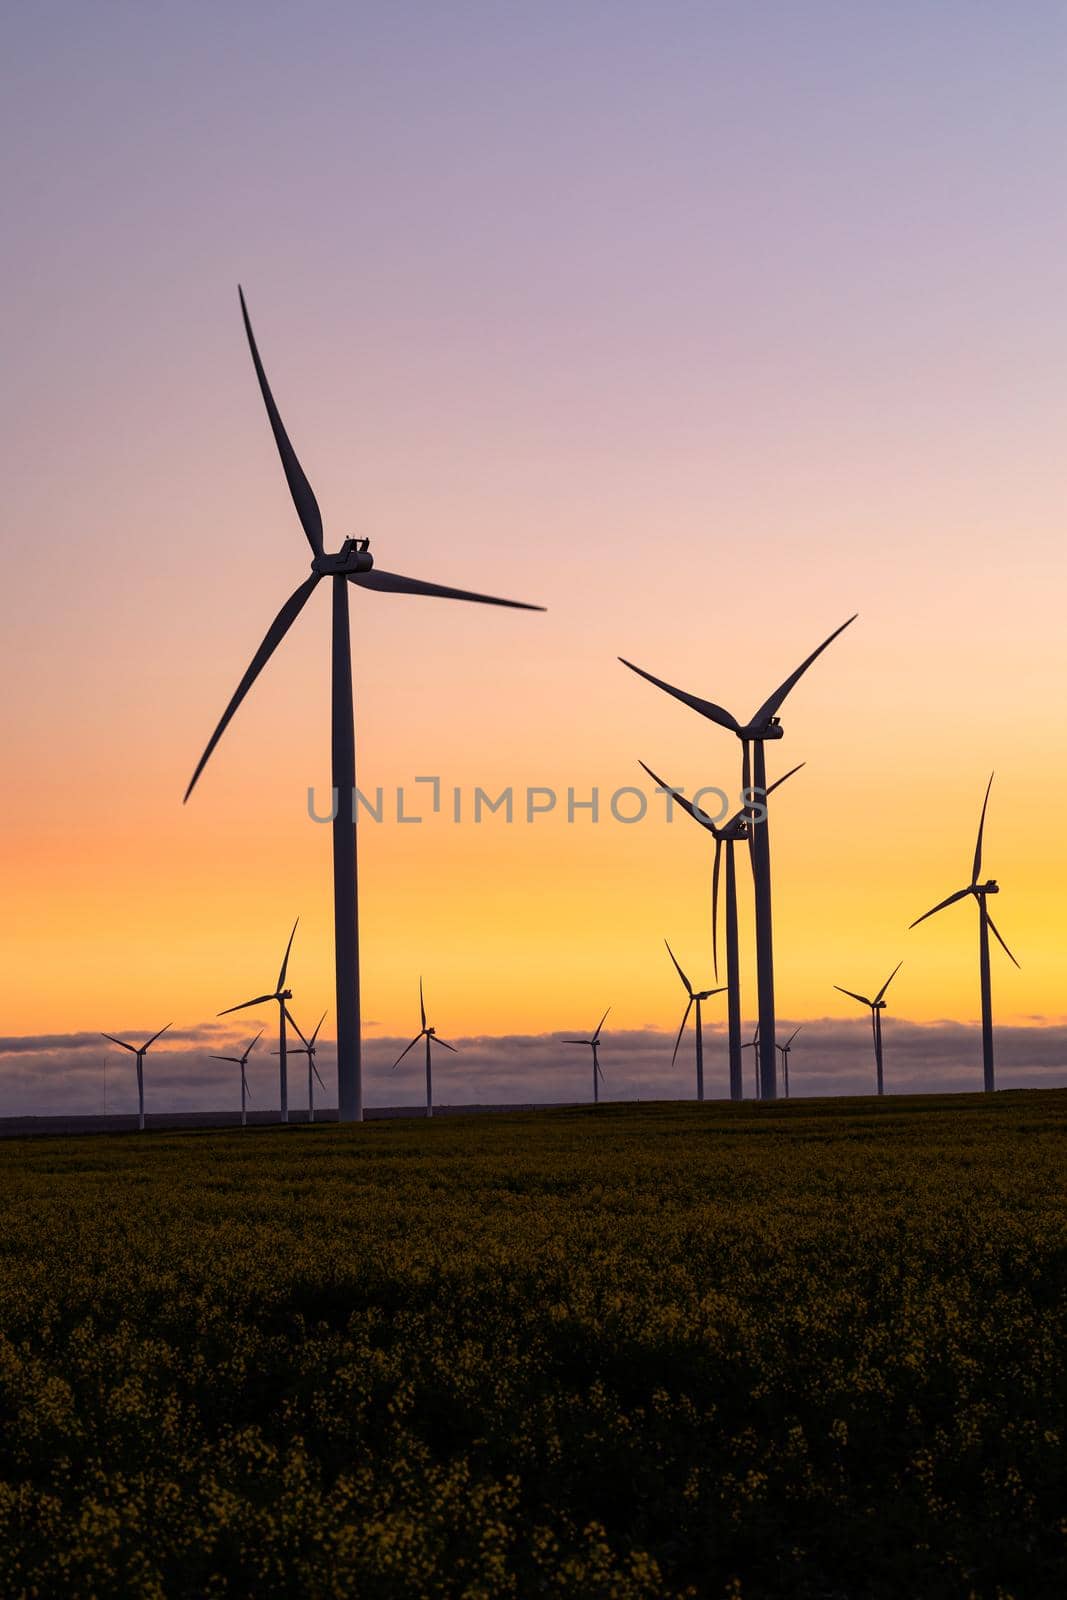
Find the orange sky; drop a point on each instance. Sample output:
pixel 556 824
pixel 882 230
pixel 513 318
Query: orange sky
pixel 570 320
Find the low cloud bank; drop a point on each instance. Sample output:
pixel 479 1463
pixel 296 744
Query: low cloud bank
pixel 80 1074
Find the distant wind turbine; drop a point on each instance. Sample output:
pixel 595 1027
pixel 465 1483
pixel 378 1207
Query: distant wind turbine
pixel 431 1037
pixel 877 1006
pixel 696 998
pixel 594 1044
pixel 242 1061
pixel 307 1047
pixel 730 833
pixel 783 1051
pixel 140 1052
pixel 354 564
pixel 764 725
pixel 981 892
pixel 281 995
pixel 753 1045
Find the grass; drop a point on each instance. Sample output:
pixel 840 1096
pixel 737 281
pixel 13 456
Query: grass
pixel 813 1350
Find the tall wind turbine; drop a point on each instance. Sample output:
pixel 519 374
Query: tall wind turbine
pixel 981 892
pixel 354 564
pixel 281 995
pixel 877 1006
pixel 729 834
pixel 594 1044
pixel 783 1051
pixel 764 725
pixel 431 1037
pixel 696 998
pixel 307 1047
pixel 140 1052
pixel 242 1061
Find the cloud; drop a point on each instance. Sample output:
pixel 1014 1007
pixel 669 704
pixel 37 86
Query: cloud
pixel 48 1074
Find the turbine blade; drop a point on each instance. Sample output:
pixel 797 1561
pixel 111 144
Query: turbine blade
pixel 680 799
pixel 237 1061
pixel 261 999
pixel 272 639
pixel 599 1025
pixel 285 960
pixel 681 974
pixel 862 998
pixel 422 1008
pixel 318 1075
pixel 318 1025
pixel 772 703
pixel 685 1018
pixel 405 1050
pixel 779 781
pixel 307 508
pixel 792 1036
pixel 296 1026
pixel 393 583
pixel 132 1048
pixel 576 1041
pixel 961 894
pixel 715 905
pixel 881 993
pixel 976 869
pixel 452 1047
pixel 706 708
pixel 156 1036
pixel 1000 941
pixel 252 1046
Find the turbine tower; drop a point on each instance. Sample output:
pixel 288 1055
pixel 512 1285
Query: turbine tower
pixel 981 892
pixel 764 725
pixel 242 1061
pixel 877 1006
pixel 783 1051
pixel 354 564
pixel 431 1037
pixel 307 1047
pixel 140 1052
pixel 696 998
pixel 594 1044
pixel 729 834
pixel 281 995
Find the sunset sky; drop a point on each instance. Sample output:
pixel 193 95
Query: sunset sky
pixel 703 325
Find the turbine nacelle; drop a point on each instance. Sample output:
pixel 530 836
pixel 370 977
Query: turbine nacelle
pixel 991 886
pixel 353 556
pixel 772 729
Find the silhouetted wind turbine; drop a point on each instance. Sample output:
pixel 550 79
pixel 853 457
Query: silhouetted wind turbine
pixel 353 563
pixel 242 1061
pixel 307 1047
pixel 140 1053
pixel 753 1045
pixel 594 1044
pixel 431 1037
pixel 985 922
pixel 281 995
pixel 728 834
pixel 783 1051
pixel 696 998
pixel 764 725
pixel 877 1006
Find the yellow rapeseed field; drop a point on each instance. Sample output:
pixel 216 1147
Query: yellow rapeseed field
pixel 813 1350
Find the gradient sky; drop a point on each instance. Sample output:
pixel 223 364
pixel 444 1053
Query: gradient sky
pixel 704 325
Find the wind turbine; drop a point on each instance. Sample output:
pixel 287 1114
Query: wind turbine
pixel 242 1061
pixel 696 997
pixel 764 725
pixel 307 1047
pixel 783 1050
pixel 594 1043
pixel 729 834
pixel 877 1006
pixel 431 1037
pixel 354 564
pixel 754 1045
pixel 981 892
pixel 281 995
pixel 140 1053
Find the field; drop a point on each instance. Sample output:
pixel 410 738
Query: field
pixel 808 1350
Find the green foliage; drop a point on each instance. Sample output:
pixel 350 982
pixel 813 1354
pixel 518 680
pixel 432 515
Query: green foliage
pixel 810 1350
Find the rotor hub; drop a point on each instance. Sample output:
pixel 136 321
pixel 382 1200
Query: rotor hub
pixel 353 556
